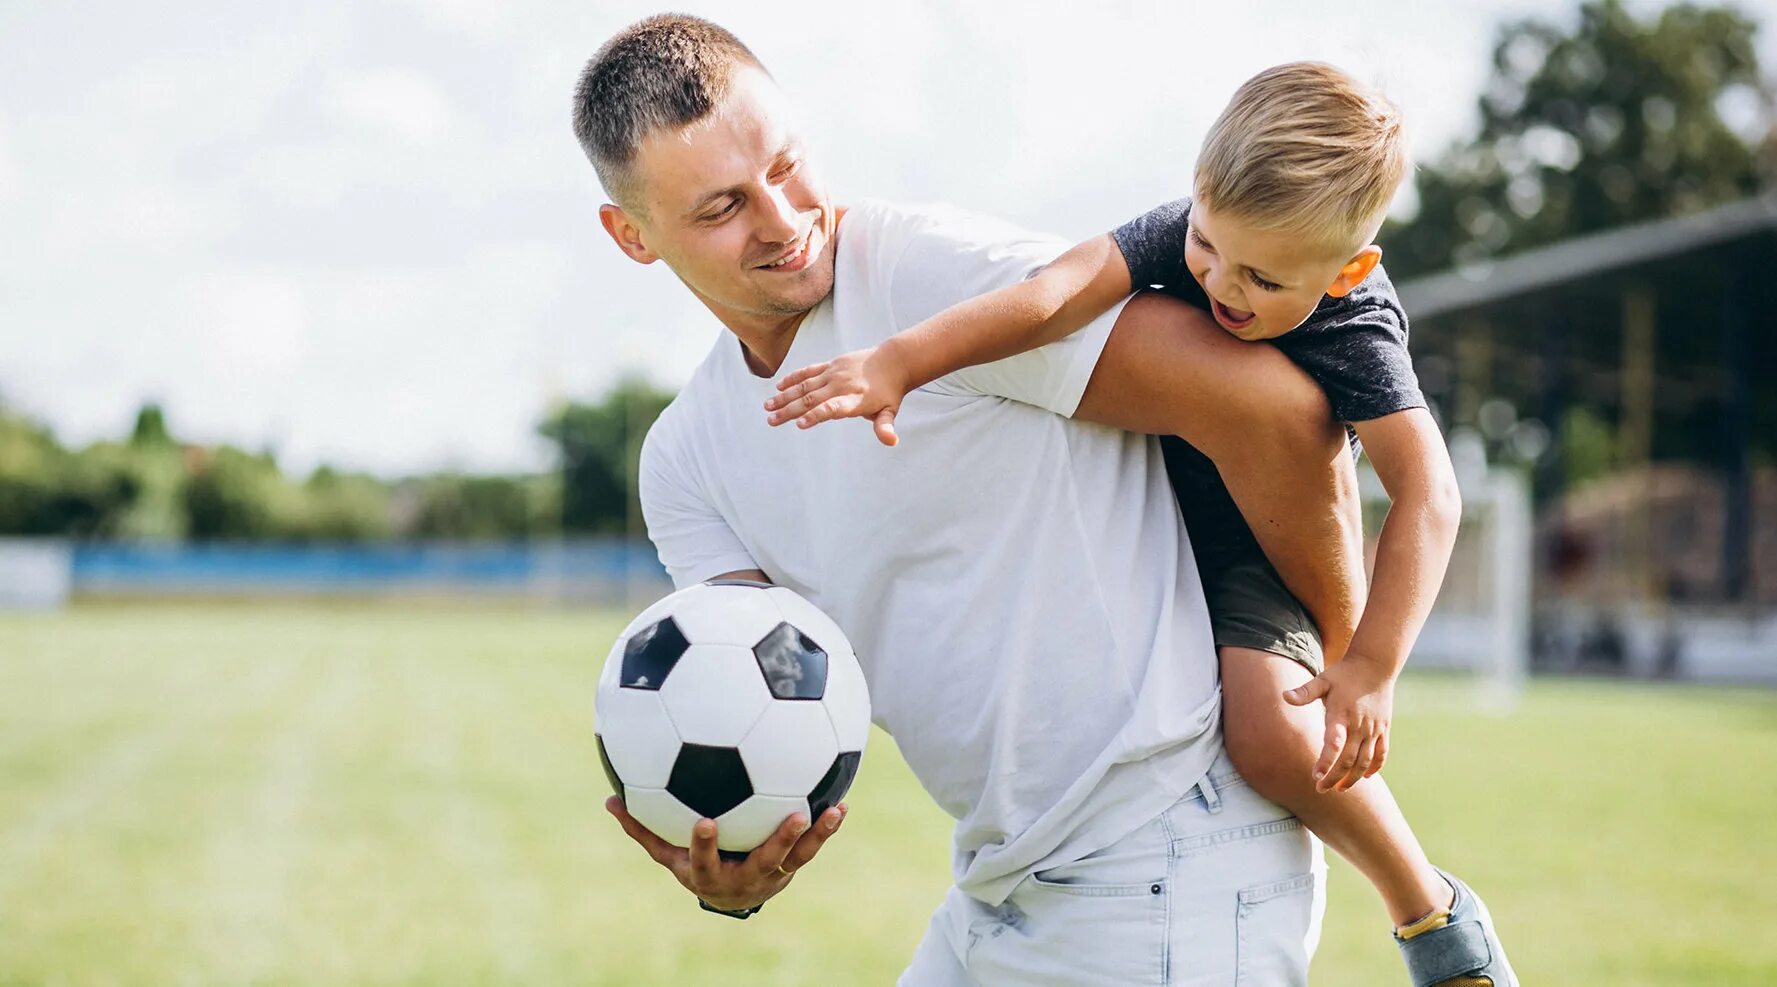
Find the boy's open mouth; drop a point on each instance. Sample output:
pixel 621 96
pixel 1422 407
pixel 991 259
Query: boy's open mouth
pixel 1230 318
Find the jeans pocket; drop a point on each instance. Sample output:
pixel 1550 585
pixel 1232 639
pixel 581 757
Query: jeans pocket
pixel 1056 882
pixel 1271 930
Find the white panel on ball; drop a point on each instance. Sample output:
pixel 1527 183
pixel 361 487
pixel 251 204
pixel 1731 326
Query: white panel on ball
pixel 789 749
pixel 715 694
pixel 752 822
pixel 664 815
pixel 848 703
pixel 739 615
pixel 639 736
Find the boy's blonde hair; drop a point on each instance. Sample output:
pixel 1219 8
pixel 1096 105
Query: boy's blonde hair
pixel 1303 147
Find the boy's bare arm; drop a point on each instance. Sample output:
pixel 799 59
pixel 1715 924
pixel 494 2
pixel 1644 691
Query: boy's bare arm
pixel 1072 290
pixel 1417 536
pixel 1411 555
pixel 1166 368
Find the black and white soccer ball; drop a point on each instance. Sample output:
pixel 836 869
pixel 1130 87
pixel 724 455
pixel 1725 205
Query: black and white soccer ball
pixel 735 701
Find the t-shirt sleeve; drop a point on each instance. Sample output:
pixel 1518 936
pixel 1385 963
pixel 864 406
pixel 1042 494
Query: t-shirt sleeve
pixel 958 256
pixel 1358 355
pixel 693 540
pixel 1153 244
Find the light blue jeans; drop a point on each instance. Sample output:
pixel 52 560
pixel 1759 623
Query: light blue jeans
pixel 1223 888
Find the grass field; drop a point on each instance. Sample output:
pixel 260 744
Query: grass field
pixel 284 794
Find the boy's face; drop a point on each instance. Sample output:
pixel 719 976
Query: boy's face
pixel 1263 283
pixel 733 207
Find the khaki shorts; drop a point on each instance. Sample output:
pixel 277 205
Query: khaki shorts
pixel 1250 607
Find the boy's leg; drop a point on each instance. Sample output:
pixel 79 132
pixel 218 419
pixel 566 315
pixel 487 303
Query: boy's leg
pixel 1275 746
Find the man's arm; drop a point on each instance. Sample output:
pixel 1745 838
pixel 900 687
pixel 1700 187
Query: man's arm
pixel 1167 369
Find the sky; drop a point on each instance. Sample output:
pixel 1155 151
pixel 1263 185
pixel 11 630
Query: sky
pixel 360 232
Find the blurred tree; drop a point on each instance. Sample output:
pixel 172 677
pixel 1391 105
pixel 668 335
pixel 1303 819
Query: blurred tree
pixel 599 445
pixel 151 427
pixel 1616 121
pixel 480 507
pixel 232 494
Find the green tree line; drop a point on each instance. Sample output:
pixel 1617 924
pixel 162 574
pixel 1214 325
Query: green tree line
pixel 149 486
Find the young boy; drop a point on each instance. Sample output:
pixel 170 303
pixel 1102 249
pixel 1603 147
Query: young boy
pixel 1291 187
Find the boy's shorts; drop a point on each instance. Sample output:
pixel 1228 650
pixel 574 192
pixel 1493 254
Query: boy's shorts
pixel 1250 607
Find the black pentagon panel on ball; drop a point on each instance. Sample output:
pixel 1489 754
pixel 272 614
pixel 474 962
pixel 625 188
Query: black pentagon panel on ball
pixel 605 761
pixel 795 667
pixel 709 780
pixel 651 654
pixel 833 786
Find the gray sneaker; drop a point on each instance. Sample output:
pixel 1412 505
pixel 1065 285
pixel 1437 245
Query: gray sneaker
pixel 1464 953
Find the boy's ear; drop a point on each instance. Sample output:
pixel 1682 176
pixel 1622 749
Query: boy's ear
pixel 626 234
pixel 1355 271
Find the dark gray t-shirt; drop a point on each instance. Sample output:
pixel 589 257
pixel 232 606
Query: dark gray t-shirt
pixel 1354 347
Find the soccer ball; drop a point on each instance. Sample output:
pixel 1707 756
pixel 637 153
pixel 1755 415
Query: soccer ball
pixel 735 701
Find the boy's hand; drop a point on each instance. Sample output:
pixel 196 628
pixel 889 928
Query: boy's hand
pixel 861 384
pixel 1359 697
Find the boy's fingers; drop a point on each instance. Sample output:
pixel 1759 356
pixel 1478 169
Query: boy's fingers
pixel 885 427
pixel 799 407
pixel 827 411
pixel 801 375
pixel 1329 754
pixel 1360 765
pixel 1381 754
pixel 1307 692
pixel 1341 767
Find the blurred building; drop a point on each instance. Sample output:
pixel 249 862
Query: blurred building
pixel 1633 374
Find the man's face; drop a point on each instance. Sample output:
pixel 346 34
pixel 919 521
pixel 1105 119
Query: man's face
pixel 1261 283
pixel 732 206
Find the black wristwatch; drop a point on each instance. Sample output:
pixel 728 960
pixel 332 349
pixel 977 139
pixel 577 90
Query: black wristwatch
pixel 737 913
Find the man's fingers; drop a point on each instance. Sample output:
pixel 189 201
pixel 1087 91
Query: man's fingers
pixel 1360 765
pixel 816 837
pixel 801 375
pixel 705 864
pixel 885 427
pixel 664 853
pixel 767 857
pixel 1330 750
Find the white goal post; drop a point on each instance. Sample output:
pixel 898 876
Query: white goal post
pixel 35 574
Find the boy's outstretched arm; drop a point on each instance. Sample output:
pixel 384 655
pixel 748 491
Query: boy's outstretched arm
pixel 1166 368
pixel 1414 549
pixel 1072 290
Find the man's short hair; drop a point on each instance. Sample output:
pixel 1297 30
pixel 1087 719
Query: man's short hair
pixel 662 73
pixel 1305 148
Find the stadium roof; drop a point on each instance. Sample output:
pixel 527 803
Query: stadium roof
pixel 1599 253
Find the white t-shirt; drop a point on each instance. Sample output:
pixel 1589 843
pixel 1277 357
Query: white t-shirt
pixel 1018 585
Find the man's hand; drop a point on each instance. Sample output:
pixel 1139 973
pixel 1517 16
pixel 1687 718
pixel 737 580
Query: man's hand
pixel 867 383
pixel 731 885
pixel 1359 696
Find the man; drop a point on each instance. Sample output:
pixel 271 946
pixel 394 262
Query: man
pixel 1014 574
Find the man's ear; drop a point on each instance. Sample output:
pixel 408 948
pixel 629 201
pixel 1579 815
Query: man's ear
pixel 626 234
pixel 1354 272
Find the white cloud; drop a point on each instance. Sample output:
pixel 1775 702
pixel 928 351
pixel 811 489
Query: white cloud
pixel 394 100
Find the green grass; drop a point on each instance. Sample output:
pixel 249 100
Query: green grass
pixel 283 794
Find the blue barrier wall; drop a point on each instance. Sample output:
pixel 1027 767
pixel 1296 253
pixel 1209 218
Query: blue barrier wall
pixel 567 567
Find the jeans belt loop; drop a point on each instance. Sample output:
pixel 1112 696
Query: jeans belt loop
pixel 1212 800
